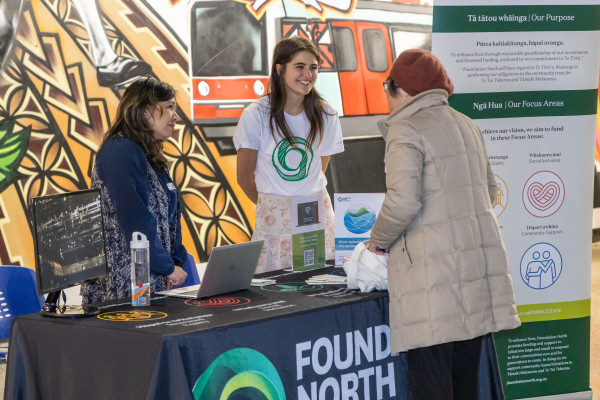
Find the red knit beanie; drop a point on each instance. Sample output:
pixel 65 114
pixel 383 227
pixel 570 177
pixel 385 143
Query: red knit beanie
pixel 417 71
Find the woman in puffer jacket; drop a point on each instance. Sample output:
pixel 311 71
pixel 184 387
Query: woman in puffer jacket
pixel 448 274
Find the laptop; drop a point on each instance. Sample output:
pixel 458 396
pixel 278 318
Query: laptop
pixel 229 268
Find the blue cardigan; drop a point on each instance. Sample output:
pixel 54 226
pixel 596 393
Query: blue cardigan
pixel 136 197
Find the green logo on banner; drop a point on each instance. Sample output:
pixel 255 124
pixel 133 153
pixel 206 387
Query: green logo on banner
pixel 240 374
pixel 301 157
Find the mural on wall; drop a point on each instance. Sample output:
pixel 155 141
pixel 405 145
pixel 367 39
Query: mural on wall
pixel 65 64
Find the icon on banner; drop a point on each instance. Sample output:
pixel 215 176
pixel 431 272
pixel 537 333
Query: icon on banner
pixel 543 194
pixel 359 219
pixel 541 266
pixel 501 199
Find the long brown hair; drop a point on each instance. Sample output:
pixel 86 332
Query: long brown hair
pixel 131 122
pixel 314 104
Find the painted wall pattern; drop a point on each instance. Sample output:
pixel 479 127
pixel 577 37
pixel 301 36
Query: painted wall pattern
pixel 54 113
pixel 65 64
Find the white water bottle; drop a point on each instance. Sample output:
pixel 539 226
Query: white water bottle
pixel 140 270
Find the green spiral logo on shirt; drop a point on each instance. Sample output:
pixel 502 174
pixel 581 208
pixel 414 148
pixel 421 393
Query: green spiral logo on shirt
pixel 280 159
pixel 240 374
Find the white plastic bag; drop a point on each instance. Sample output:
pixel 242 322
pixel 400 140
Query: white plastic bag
pixel 366 270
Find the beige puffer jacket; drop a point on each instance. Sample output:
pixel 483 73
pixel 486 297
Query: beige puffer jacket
pixel 448 269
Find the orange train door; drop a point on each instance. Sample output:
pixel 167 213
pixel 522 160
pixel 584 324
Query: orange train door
pixel 377 60
pixel 348 56
pixel 363 54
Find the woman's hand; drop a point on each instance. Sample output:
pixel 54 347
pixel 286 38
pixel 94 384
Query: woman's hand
pixel 177 278
pixel 374 249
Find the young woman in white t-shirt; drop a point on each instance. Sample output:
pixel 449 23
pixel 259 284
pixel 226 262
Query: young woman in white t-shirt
pixel 284 141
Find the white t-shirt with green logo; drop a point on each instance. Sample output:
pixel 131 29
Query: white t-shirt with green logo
pixel 282 169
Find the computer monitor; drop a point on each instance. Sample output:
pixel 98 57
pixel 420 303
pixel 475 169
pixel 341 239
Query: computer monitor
pixel 69 246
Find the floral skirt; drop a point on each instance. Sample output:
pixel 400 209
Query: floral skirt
pixel 274 226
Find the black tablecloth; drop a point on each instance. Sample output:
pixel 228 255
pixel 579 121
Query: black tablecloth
pixel 291 340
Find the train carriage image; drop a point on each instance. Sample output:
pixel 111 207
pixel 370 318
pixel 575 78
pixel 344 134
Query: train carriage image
pixel 231 49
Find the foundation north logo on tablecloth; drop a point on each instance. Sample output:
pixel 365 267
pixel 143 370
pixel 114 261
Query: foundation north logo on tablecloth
pixel 240 373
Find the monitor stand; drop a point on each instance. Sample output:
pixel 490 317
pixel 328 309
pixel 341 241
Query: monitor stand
pixel 52 308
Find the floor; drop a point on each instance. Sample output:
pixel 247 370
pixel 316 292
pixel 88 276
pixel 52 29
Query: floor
pixel 595 327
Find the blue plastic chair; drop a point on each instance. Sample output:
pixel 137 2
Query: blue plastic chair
pixel 18 295
pixel 190 267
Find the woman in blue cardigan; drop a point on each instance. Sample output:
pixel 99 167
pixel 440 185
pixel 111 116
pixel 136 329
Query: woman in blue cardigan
pixel 137 192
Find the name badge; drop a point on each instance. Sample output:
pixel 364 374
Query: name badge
pixel 171 186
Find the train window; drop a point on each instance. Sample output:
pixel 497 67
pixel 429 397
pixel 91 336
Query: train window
pixel 226 41
pixel 375 52
pixel 345 51
pixel 405 39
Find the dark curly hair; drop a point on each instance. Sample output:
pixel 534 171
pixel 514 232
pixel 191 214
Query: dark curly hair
pixel 130 121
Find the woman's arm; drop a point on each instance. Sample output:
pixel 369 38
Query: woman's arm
pixel 404 160
pixel 324 163
pixel 246 164
pixel 177 278
pixel 122 167
pixel 179 251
